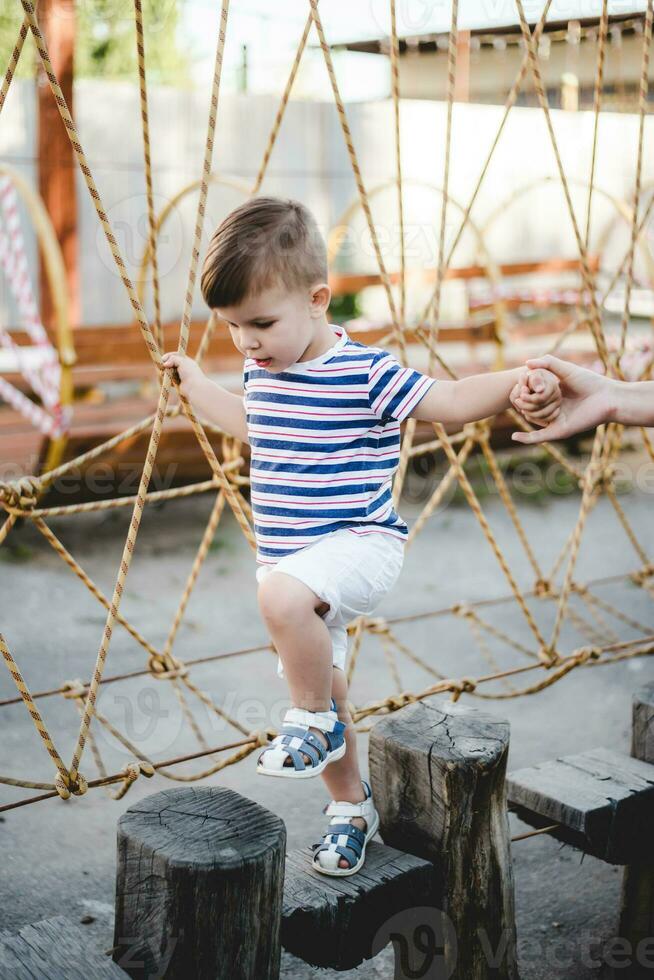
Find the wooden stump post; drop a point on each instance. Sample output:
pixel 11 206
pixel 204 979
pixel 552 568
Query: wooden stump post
pixel 199 887
pixel 637 907
pixel 438 778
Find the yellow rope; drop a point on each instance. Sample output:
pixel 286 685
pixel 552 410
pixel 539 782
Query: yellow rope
pixel 19 498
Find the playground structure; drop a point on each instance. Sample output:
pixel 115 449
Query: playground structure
pixel 596 619
pixel 440 887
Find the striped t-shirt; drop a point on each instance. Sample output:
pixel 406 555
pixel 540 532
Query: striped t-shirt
pixel 324 443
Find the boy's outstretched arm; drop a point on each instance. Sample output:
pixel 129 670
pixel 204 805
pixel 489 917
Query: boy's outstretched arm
pixel 484 395
pixel 209 400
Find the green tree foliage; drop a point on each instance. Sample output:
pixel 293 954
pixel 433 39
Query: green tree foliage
pixel 105 45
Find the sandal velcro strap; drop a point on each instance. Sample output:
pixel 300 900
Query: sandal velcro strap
pixel 343 809
pixel 323 720
pixel 347 828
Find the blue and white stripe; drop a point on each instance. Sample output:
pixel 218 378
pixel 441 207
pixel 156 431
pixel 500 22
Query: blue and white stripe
pixel 325 442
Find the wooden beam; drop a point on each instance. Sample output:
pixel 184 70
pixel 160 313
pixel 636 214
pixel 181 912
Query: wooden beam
pixel 637 903
pixel 56 159
pixel 462 81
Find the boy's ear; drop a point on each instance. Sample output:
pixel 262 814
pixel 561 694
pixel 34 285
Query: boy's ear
pixel 319 298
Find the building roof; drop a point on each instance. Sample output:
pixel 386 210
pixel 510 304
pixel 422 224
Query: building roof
pixel 585 28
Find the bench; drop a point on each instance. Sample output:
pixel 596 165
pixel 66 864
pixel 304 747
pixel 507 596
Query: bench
pixel 602 803
pixel 54 948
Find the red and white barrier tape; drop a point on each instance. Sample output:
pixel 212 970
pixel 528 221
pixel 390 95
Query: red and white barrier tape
pixel 45 378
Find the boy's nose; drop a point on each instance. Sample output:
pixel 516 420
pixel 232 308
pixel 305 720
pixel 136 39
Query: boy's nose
pixel 249 343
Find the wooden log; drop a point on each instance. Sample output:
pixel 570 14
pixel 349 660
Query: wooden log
pixel 340 922
pixel 57 169
pixel 603 802
pixel 199 885
pixel 438 778
pixel 637 904
pixel 55 947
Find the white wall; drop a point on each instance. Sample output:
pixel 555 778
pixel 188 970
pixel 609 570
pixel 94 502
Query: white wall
pixel 310 162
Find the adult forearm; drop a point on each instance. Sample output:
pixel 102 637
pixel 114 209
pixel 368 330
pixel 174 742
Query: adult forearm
pixel 632 402
pixel 219 406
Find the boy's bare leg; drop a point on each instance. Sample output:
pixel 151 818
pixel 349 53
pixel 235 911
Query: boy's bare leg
pixel 343 777
pixel 291 612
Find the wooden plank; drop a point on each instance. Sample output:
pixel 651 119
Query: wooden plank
pixel 119 349
pixel 54 948
pixel 603 800
pixel 200 873
pixel 347 283
pixel 334 922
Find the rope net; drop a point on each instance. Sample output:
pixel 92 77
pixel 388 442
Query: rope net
pixel 592 616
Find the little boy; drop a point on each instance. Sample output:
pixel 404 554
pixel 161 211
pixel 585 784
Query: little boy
pixel 322 416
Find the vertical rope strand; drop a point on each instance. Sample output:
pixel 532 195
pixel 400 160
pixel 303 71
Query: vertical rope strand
pixel 145 127
pixel 642 109
pixel 13 61
pixel 365 203
pixel 595 317
pixel 597 103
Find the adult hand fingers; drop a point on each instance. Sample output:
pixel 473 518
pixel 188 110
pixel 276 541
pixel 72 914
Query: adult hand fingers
pixel 550 432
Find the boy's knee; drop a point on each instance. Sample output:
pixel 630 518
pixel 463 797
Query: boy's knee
pixel 282 598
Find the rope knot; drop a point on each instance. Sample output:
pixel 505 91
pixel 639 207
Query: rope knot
pixel 465 685
pixel 543 588
pixel 584 654
pixel 639 577
pixel 377 625
pixel 263 737
pixel 462 609
pixel 397 701
pixel 160 670
pixel 21 495
pixel 74 689
pixel 131 773
pixel 548 656
pixel 65 786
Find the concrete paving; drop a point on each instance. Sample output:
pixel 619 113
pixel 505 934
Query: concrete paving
pixel 59 857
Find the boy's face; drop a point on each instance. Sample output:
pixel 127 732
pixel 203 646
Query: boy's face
pixel 278 327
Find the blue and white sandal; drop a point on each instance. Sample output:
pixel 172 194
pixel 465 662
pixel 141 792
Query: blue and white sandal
pixel 295 739
pixel 344 839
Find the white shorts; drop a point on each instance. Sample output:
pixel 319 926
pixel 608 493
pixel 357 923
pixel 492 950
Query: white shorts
pixel 350 570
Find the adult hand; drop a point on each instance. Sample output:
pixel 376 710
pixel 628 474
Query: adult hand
pixel 585 402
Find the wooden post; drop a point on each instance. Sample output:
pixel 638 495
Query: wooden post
pixel 57 166
pixel 637 906
pixel 438 779
pixel 462 80
pixel 200 876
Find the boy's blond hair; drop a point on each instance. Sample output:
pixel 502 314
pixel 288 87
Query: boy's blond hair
pixel 266 242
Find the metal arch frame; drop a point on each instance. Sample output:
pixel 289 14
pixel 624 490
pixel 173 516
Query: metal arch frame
pixel 492 269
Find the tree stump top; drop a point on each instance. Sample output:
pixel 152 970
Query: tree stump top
pixel 462 733
pixel 208 825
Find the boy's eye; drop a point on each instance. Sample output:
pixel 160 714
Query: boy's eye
pixel 264 323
